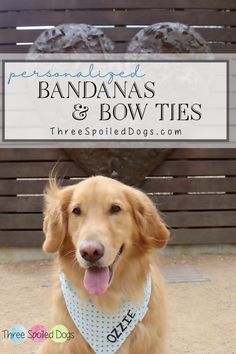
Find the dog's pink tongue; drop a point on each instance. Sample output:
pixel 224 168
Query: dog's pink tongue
pixel 96 280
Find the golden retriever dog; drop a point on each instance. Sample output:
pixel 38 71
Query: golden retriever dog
pixel 104 233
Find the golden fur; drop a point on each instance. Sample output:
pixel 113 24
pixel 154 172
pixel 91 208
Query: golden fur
pixel 138 226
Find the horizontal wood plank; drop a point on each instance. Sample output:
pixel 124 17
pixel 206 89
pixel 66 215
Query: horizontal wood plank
pixel 34 238
pixel 205 236
pixel 186 185
pixel 120 34
pixel 168 168
pixel 203 154
pixel 30 238
pixel 215 47
pixel 225 34
pixel 33 155
pixel 119 17
pixel 198 219
pixel 120 47
pixel 11 48
pixel 174 220
pixel 118 4
pixel 195 202
pixel 223 48
pixel 39 169
pixel 21 221
pixel 55 154
pixel 12 36
pixel 218 34
pixel 164 203
pixel 198 168
pixel 19 238
pixel 14 187
pixel 21 205
pixel 151 185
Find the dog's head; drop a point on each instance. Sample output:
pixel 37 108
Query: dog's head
pixel 104 222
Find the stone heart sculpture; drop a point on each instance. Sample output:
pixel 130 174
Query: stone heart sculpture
pixel 168 37
pixel 128 165
pixel 72 38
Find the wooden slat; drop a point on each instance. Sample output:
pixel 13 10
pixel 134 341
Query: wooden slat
pixel 203 154
pixel 104 4
pixel 173 219
pixel 195 202
pixel 39 169
pixel 21 205
pixel 11 48
pixel 185 185
pixel 14 187
pixel 55 154
pixel 12 36
pixel 33 155
pixel 198 168
pixel 215 48
pixel 163 202
pixel 218 34
pixel 203 236
pixel 209 34
pixel 119 17
pixel 184 219
pixel 181 219
pixel 33 238
pixel 14 48
pixel 119 48
pixel 168 168
pixel 223 48
pixel 153 185
pixel 19 238
pixel 21 221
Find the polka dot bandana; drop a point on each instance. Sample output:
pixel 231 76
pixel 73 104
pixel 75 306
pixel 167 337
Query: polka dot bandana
pixel 104 332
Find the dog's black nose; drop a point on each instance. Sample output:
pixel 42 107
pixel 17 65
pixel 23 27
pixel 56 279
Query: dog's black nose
pixel 91 251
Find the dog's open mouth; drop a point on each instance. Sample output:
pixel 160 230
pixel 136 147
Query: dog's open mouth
pixel 97 279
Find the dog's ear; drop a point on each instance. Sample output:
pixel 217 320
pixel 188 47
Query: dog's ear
pixel 150 227
pixel 55 216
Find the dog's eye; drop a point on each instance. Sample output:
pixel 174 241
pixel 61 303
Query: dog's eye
pixel 76 211
pixel 115 208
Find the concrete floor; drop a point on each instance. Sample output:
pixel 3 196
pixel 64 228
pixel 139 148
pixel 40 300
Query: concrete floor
pixel 201 296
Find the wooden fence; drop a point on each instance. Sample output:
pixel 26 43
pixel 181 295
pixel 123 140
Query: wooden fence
pixel 214 19
pixel 194 188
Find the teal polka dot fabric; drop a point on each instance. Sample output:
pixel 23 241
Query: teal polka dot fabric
pixel 104 332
